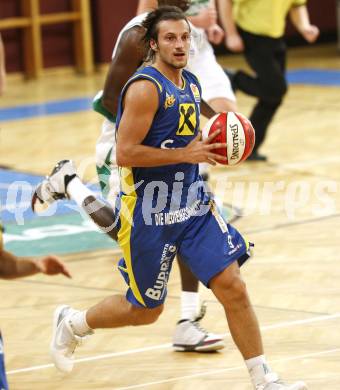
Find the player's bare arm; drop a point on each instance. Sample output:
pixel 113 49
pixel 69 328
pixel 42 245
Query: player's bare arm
pixel 207 110
pixel 140 107
pixel 129 56
pixel 12 266
pixel 146 6
pixel 206 18
pixel 149 5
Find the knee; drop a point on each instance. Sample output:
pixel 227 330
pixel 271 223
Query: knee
pixel 237 289
pixel 281 88
pixel 232 290
pixel 144 316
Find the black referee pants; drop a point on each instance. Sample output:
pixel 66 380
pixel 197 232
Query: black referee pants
pixel 267 57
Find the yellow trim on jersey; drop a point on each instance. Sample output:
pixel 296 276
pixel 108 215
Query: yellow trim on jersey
pixel 147 76
pixel 218 217
pixel 247 244
pixel 184 82
pixel 128 204
pixel 126 181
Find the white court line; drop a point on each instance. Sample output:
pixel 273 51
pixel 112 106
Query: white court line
pixel 224 370
pixel 279 325
pixel 92 358
pixel 288 324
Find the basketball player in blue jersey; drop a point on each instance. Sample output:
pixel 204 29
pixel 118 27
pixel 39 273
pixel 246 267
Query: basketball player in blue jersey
pixel 12 267
pixel 159 106
pixel 128 54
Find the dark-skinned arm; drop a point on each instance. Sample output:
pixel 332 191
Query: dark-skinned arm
pixel 128 57
pixel 12 266
pixel 207 110
pixel 146 6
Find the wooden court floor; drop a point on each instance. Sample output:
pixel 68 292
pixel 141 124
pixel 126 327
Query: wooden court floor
pixel 291 208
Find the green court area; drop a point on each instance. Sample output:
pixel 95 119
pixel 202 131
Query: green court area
pixel 60 234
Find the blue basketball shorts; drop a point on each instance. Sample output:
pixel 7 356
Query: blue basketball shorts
pixel 3 378
pixel 206 243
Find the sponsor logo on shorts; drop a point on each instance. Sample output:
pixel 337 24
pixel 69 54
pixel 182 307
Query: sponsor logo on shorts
pixel 157 291
pixel 233 248
pixel 177 216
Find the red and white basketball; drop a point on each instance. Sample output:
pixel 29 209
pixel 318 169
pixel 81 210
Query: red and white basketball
pixel 236 131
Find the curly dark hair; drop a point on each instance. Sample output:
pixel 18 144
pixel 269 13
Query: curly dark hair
pixel 152 21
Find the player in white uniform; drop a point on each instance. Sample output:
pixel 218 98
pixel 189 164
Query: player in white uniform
pixel 128 54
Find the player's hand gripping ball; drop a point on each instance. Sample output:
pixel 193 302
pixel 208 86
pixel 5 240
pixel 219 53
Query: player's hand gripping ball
pixel 236 131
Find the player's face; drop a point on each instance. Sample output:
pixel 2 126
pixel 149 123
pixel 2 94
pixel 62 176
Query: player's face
pixel 173 43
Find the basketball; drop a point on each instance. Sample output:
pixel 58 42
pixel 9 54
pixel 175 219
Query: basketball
pixel 236 131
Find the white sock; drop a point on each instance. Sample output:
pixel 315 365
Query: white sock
pixel 203 168
pixel 189 305
pixel 79 324
pixel 78 191
pixel 258 369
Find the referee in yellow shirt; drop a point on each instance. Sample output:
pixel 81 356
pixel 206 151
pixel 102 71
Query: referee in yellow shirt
pixel 257 27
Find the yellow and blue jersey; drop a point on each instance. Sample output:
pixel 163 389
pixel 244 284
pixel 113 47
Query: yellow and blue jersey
pixel 175 125
pixel 188 223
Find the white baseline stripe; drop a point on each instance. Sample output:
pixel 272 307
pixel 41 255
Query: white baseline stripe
pixel 224 370
pixel 92 358
pixel 168 345
pixel 288 324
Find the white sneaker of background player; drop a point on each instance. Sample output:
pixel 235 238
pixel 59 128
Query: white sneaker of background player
pixel 64 341
pixel 272 382
pixel 190 337
pixel 53 187
pixel 60 176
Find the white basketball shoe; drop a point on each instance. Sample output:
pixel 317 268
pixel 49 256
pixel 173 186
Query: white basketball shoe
pixel 272 382
pixel 64 340
pixel 54 187
pixel 191 337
